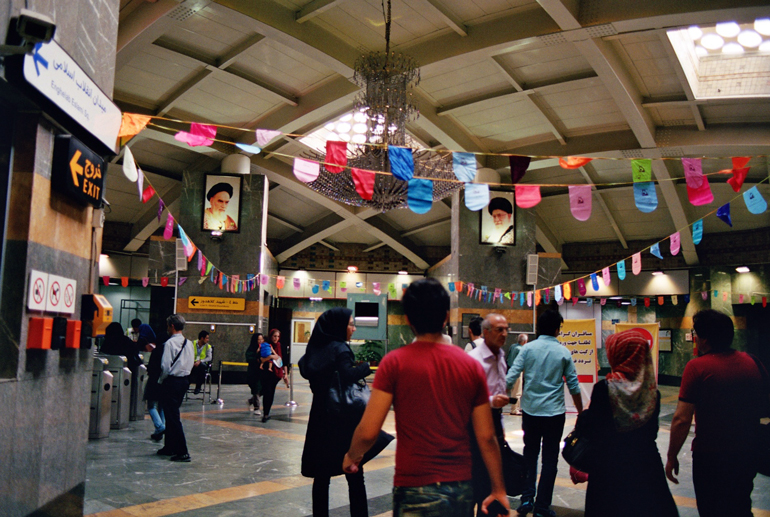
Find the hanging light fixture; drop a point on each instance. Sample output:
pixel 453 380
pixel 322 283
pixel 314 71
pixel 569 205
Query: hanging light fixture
pixel 383 108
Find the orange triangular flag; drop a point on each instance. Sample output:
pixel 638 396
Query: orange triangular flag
pixel 132 124
pixel 573 162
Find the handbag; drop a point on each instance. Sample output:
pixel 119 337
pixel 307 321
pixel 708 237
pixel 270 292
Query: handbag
pixel 578 448
pixel 347 399
pixel 513 470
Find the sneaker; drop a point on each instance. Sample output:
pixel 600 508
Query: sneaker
pixel 157 436
pixel 257 412
pixel 525 507
pixel 165 452
pixel 544 513
pixel 181 457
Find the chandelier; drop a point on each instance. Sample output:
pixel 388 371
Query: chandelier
pixel 386 80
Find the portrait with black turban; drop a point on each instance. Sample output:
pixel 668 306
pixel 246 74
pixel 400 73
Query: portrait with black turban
pixel 222 203
pixel 496 221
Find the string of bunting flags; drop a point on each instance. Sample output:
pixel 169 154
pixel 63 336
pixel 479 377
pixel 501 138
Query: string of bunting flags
pixel 476 198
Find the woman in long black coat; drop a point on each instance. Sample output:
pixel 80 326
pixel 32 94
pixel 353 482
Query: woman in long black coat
pixel 328 439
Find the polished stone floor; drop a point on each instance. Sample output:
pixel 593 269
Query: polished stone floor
pixel 243 467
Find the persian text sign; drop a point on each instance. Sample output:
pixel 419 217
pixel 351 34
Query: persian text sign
pixel 59 78
pixel 579 336
pixel 219 304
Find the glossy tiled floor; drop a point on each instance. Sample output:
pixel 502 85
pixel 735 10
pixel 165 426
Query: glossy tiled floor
pixel 241 466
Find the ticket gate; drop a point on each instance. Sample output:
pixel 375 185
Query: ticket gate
pixel 101 400
pixel 121 390
pixel 138 380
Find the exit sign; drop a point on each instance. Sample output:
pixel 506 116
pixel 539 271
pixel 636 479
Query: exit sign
pixel 78 171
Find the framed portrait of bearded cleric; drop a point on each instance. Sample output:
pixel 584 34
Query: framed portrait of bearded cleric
pixel 222 203
pixel 497 221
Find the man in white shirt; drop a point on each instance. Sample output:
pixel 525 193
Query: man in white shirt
pixel 490 355
pixel 176 364
pixel 474 329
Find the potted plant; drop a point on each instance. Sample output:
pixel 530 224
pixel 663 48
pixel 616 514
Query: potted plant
pixel 369 352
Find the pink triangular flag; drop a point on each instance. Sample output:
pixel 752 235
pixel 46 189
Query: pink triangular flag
pixel 145 282
pixel 704 295
pixel 305 170
pixel 603 301
pixel 265 135
pixel 182 280
pixel 580 201
pixel 527 196
pixel 265 279
pixel 606 278
pixel 140 181
pixel 200 134
pixel 740 298
pixel 676 240
pixel 296 284
pixel 698 189
pixel 529 298
pixel 581 286
pixel 364 182
pixel 575 300
pixel 724 296
pixel 337 154
pixel 168 232
pixel 636 263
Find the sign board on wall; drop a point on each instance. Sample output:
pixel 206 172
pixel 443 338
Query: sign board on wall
pixel 51 293
pixel 579 336
pixel 38 290
pixel 219 304
pixel 77 170
pixel 58 77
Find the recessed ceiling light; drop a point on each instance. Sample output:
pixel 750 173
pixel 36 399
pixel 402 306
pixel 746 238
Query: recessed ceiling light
pixel 329 126
pixel 762 26
pixel 732 49
pixel 361 127
pixel 616 297
pixel 358 139
pixel 695 32
pixel 352 269
pixel 103 256
pixel 749 38
pixel 712 41
pixel 402 272
pixel 742 269
pixel 314 299
pixel 658 273
pixel 345 137
pixel 700 51
pixel 765 46
pixel 343 127
pixel 728 29
pixel 346 117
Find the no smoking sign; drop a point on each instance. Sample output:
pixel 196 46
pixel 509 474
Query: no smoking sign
pixel 61 294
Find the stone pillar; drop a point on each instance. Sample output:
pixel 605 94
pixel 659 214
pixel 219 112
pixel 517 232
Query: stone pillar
pixel 501 267
pixel 235 254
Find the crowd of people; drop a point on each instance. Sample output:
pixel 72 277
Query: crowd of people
pixel 449 412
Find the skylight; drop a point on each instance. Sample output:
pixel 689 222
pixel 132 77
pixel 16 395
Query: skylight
pixel 725 60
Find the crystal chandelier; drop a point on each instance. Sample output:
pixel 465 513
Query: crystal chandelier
pixel 386 79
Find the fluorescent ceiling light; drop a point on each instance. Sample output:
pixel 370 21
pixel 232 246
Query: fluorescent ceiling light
pixel 762 26
pixel 402 272
pixel 352 269
pixel 616 297
pixel 732 49
pixel 728 29
pixel 695 32
pixel 657 273
pixel 712 41
pixel 312 299
pixel 742 269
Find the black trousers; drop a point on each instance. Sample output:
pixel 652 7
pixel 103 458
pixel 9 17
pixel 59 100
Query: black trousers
pixel 172 393
pixel 198 374
pixel 356 493
pixel 546 430
pixel 723 483
pixel 269 382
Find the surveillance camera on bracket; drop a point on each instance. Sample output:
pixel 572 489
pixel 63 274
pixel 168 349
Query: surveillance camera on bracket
pixel 31 28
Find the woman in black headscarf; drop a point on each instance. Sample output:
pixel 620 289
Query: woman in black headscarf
pixel 117 343
pixel 328 439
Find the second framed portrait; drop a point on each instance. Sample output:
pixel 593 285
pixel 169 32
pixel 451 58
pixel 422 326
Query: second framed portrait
pixel 222 203
pixel 497 222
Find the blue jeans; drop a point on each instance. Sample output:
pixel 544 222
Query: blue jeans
pixel 157 416
pixel 548 430
pixel 454 499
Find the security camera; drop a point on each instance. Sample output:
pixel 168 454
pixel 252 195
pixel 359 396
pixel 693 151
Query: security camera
pixel 35 27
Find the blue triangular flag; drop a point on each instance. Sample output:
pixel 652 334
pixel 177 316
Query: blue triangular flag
pixel 252 149
pixel 754 201
pixel 451 287
pixel 655 250
pixel 723 212
pixel 326 285
pixel 589 302
pixel 521 299
pixel 476 196
pixel 594 282
pixel 464 166
pixel 645 197
pixel 686 299
pixel 419 196
pixel 633 302
pixel 622 269
pixel 401 162
pixel 315 289
pixel 697 231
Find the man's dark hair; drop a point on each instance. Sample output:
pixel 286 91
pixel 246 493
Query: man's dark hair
pixel 715 327
pixel 135 323
pixel 549 323
pixel 426 304
pixel 475 325
pixel 176 321
pixel 202 334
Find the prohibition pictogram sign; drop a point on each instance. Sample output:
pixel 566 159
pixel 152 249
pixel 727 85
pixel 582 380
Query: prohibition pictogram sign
pixel 69 295
pixel 38 292
pixel 55 293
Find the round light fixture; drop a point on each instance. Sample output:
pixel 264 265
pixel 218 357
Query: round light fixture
pixel 695 32
pixel 732 49
pixel 749 38
pixel 359 128
pixel 728 29
pixel 352 269
pixel 345 118
pixel 712 41
pixel 700 51
pixel 343 127
pixel 762 26
pixel 329 126
pixel 358 139
pixel 345 137
pixel 765 46
pixel 359 117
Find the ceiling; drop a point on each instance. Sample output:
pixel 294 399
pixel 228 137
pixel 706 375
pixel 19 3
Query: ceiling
pixel 546 78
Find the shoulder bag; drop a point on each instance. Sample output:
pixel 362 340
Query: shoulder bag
pixel 348 400
pixel 579 447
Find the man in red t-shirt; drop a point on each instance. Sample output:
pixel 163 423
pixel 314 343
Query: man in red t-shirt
pixel 436 391
pixel 726 391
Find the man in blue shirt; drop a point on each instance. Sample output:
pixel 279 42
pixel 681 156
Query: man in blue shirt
pixel 545 363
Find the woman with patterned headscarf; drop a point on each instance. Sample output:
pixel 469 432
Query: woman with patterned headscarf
pixel 627 476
